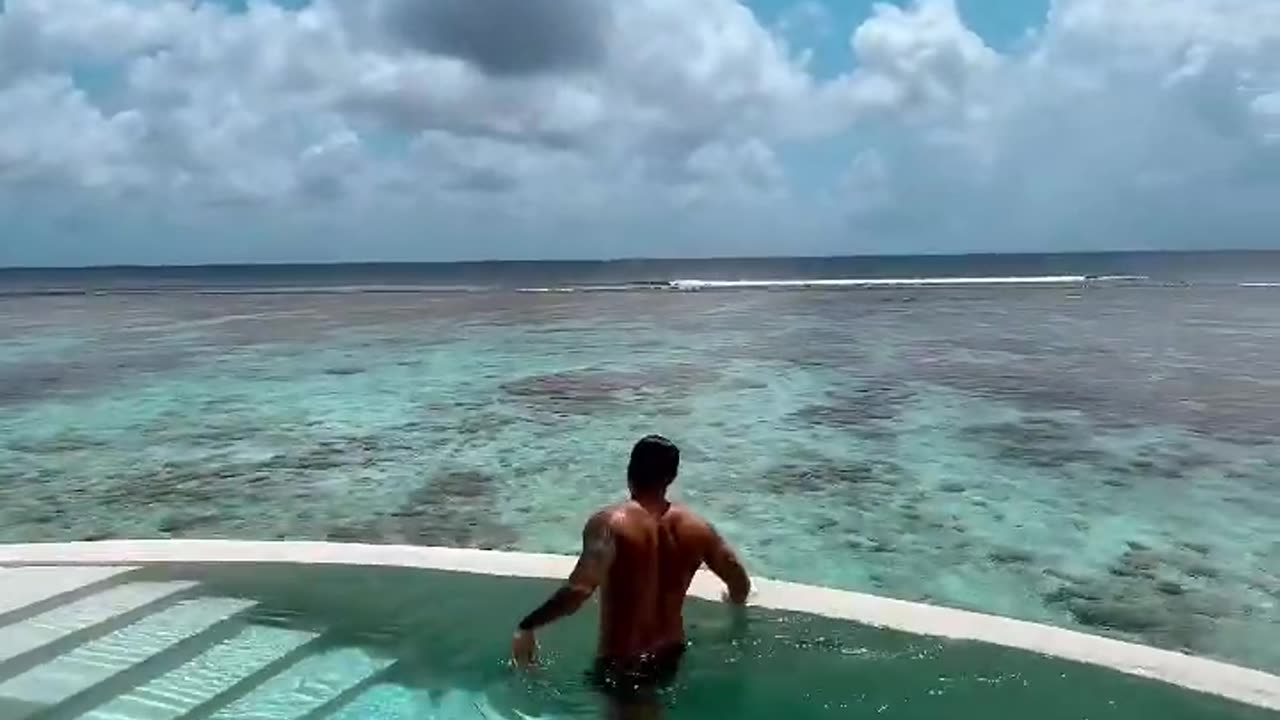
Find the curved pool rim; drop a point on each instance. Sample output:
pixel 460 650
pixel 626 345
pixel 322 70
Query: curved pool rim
pixel 1214 677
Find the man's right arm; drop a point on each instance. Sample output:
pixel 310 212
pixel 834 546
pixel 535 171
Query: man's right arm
pixel 724 562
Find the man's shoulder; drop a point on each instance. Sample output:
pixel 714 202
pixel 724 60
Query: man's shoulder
pixel 607 515
pixel 687 517
pixel 613 516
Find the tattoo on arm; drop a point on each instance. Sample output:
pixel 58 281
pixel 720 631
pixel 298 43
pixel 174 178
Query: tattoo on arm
pixel 598 548
pixel 593 566
pixel 563 602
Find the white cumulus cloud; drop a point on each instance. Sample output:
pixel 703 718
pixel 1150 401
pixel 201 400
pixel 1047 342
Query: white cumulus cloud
pixel 627 127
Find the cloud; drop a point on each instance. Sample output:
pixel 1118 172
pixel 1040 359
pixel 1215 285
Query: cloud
pixel 925 55
pixel 1126 124
pixel 72 141
pixel 587 127
pixel 1266 113
pixel 53 35
pixel 506 37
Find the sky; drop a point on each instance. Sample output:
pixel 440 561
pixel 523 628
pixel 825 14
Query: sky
pixel 216 131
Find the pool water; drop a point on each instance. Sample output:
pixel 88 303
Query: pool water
pixel 277 642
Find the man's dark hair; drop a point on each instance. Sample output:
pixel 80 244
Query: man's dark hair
pixel 655 461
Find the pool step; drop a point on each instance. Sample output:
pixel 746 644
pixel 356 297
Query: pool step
pixel 38 639
pixel 313 688
pixel 202 679
pixel 94 643
pixel 109 657
pixel 29 591
pixel 386 701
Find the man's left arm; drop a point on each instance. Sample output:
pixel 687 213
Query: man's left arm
pixel 598 550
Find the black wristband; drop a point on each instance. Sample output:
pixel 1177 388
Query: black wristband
pixel 525 626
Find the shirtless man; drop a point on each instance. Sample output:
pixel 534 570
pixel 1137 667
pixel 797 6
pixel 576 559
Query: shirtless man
pixel 643 553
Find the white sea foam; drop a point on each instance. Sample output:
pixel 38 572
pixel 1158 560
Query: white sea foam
pixel 694 284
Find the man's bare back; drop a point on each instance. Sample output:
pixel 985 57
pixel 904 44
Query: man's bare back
pixel 642 554
pixel 657 551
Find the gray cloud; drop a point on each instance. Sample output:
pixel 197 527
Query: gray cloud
pixel 507 37
pixel 483 180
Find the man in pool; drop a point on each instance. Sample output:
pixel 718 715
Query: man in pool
pixel 643 553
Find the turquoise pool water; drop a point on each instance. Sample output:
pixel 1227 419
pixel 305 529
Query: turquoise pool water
pixel 284 642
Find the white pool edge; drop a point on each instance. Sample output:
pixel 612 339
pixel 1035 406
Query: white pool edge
pixel 1245 685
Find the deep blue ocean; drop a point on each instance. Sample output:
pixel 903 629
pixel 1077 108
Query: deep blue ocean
pixel 1155 267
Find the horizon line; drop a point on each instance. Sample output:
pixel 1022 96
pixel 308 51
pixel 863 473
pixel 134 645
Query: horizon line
pixel 619 260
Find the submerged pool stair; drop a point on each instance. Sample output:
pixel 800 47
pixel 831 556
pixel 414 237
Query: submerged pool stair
pixel 97 643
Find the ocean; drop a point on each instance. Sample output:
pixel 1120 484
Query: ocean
pixel 1090 441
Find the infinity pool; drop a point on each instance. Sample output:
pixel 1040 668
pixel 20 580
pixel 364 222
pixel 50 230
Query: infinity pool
pixel 279 642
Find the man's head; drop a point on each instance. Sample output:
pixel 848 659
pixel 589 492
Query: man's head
pixel 655 461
